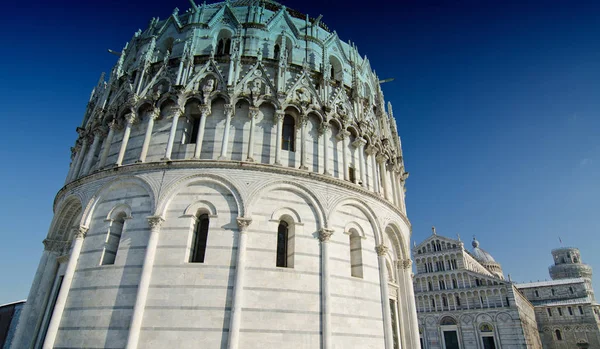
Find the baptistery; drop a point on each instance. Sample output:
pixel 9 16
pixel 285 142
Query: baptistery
pixel 237 182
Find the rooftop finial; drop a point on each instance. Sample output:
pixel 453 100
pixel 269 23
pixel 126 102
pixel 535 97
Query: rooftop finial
pixel 475 243
pixel 458 234
pixel 433 230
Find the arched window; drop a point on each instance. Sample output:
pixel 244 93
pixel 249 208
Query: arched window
pixel 558 335
pixel 199 239
pixel 113 238
pixel 276 51
pixel 288 133
pixel 285 246
pixel 458 300
pixel 447 321
pixel 356 264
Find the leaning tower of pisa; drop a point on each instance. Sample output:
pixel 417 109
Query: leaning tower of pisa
pixel 237 182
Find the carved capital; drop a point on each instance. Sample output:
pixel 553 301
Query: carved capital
pixel 57 246
pixel 253 112
pixel 405 263
pixel 80 232
pixel 324 127
pixel 371 150
pixel 130 118
pixel 204 110
pixel 343 134
pixel 279 115
pixel 228 110
pixel 381 158
pixel 80 131
pixel 243 224
pixel 359 143
pixel 155 222
pixel 154 113
pixel 100 131
pixel 325 234
pixel 381 249
pixel 113 125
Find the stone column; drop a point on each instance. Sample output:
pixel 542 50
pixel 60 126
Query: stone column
pixel 409 295
pixel 238 287
pixel 359 144
pixel 204 113
pixel 98 134
pixel 325 131
pixel 61 300
pixel 381 160
pixel 279 115
pixel 385 297
pixel 142 292
pixel 225 144
pixel 343 136
pixel 80 156
pixel 303 123
pixel 253 114
pixel 394 196
pixel 324 236
pixel 371 151
pixel 130 118
pixel 75 153
pixel 169 149
pixel 107 143
pixel 36 304
pixel 152 116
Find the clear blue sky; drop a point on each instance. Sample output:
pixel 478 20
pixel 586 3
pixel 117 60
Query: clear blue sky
pixel 498 106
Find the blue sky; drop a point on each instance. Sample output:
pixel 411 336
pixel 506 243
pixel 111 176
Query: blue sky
pixel 498 106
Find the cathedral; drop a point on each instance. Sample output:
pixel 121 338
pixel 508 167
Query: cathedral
pixel 237 182
pixel 465 302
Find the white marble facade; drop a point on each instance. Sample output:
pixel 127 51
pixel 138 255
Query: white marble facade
pixel 244 117
pixel 464 302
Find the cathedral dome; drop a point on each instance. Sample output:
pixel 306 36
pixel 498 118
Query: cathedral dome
pixel 486 259
pixel 229 145
pixel 480 254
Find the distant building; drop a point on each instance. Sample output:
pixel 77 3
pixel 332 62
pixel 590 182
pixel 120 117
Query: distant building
pixel 566 310
pixel 464 302
pixel 9 316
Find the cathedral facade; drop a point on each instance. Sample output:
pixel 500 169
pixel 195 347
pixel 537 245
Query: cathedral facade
pixel 237 182
pixel 464 301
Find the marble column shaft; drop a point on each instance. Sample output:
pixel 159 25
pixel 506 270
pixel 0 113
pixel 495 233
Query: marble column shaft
pixel 326 136
pixel 204 113
pixel 152 116
pixel 238 287
pixel 279 115
pixel 90 155
pixel 324 236
pixel 343 135
pixel 130 120
pixel 303 123
pixel 385 297
pixel 253 114
pixel 226 131
pixel 359 144
pixel 107 143
pixel 169 150
pixel 142 292
pixel 61 300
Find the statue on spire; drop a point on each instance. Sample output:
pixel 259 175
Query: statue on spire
pixel 433 230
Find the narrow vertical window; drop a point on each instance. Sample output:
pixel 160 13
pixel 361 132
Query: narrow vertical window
pixel 227 50
pixel 195 128
pixel 199 240
pixel 458 301
pixel 549 312
pixel 113 238
pixel 220 47
pixel 288 133
pixel 356 255
pixel 570 310
pixel 560 311
pixel 276 51
pixel 558 335
pixel 352 174
pixel 394 316
pixel 580 310
pixel 553 292
pixel 537 294
pixel 282 244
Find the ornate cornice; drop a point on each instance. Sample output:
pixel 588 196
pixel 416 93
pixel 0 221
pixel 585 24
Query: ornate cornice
pixel 58 246
pixel 134 168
